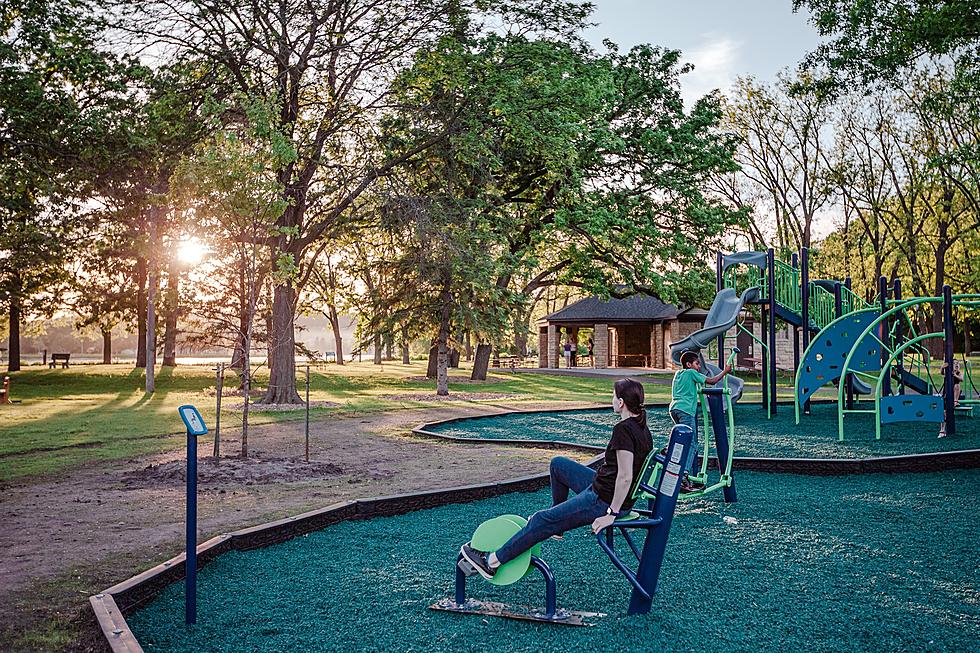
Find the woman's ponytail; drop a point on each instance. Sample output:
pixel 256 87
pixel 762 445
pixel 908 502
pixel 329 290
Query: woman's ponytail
pixel 631 392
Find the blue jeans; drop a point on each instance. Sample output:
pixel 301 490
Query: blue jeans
pixel 564 514
pixel 680 417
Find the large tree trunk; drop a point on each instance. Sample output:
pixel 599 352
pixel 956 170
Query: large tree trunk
pixel 469 347
pixel 378 351
pixel 432 368
pixel 107 346
pixel 141 312
pixel 406 354
pixel 151 318
pixel 282 348
pixel 170 329
pixel 454 358
pixel 442 371
pixel 13 343
pixel 338 337
pixel 481 362
pixel 269 353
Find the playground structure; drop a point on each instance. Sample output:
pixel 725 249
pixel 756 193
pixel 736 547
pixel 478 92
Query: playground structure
pixel 659 485
pixel 784 291
pixel 880 344
pixel 781 291
pixel 862 346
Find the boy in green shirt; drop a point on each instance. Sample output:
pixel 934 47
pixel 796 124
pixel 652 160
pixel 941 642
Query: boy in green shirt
pixel 684 404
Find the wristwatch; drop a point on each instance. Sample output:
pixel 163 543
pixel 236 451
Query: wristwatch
pixel 610 511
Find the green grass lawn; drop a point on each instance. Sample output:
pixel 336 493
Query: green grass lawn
pixel 99 412
pixel 88 413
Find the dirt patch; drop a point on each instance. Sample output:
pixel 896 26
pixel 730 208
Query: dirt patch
pixel 214 473
pixel 279 408
pixel 69 536
pixel 231 391
pixel 452 396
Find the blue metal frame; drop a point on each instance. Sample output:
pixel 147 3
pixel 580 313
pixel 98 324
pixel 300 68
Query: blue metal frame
pixel 656 521
pixel 550 587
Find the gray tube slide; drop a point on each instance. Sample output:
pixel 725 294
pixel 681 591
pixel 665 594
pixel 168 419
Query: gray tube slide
pixel 721 317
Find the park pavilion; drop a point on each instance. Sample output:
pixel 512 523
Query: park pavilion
pixel 635 331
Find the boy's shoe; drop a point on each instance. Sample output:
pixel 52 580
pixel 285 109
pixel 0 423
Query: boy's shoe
pixel 478 559
pixel 558 537
pixel 688 486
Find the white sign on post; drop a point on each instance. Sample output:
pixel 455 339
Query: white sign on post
pixel 193 420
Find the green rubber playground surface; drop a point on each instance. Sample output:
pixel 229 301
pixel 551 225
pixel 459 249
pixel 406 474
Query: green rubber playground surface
pixel 780 437
pixel 870 562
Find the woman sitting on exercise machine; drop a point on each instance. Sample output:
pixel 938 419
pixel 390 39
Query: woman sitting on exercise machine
pixel 601 496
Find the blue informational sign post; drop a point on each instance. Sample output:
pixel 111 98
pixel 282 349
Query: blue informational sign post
pixel 195 428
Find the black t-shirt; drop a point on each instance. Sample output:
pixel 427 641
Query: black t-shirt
pixel 627 435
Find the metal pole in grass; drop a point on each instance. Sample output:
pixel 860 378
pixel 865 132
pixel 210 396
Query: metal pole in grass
pixel 307 413
pixel 219 383
pixel 195 428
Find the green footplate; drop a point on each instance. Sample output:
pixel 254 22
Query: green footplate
pixel 493 534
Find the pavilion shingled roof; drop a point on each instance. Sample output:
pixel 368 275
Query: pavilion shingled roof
pixel 635 308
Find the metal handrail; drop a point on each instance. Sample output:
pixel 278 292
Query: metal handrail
pixel 823 306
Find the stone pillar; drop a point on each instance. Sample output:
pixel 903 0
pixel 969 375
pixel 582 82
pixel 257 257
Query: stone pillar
pixel 552 346
pixel 613 359
pixel 542 347
pixel 600 338
pixel 574 337
pixel 656 351
pixel 675 335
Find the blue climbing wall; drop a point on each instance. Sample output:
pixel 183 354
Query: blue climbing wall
pixel 911 408
pixel 824 360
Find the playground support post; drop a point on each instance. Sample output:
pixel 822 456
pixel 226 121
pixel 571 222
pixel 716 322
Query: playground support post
pixel 655 544
pixel 883 329
pixel 796 332
pixel 719 284
pixel 771 282
pixel 763 325
pixel 805 306
pixel 839 312
pixel 899 339
pixel 719 425
pixel 949 400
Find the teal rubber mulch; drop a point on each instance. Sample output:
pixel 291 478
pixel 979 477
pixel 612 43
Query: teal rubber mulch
pixel 814 437
pixel 860 563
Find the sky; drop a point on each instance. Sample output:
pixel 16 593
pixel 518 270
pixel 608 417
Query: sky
pixel 724 39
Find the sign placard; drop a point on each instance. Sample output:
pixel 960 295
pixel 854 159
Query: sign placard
pixel 192 420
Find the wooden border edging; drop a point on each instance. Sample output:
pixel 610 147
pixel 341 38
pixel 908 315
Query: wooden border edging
pixel 111 606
